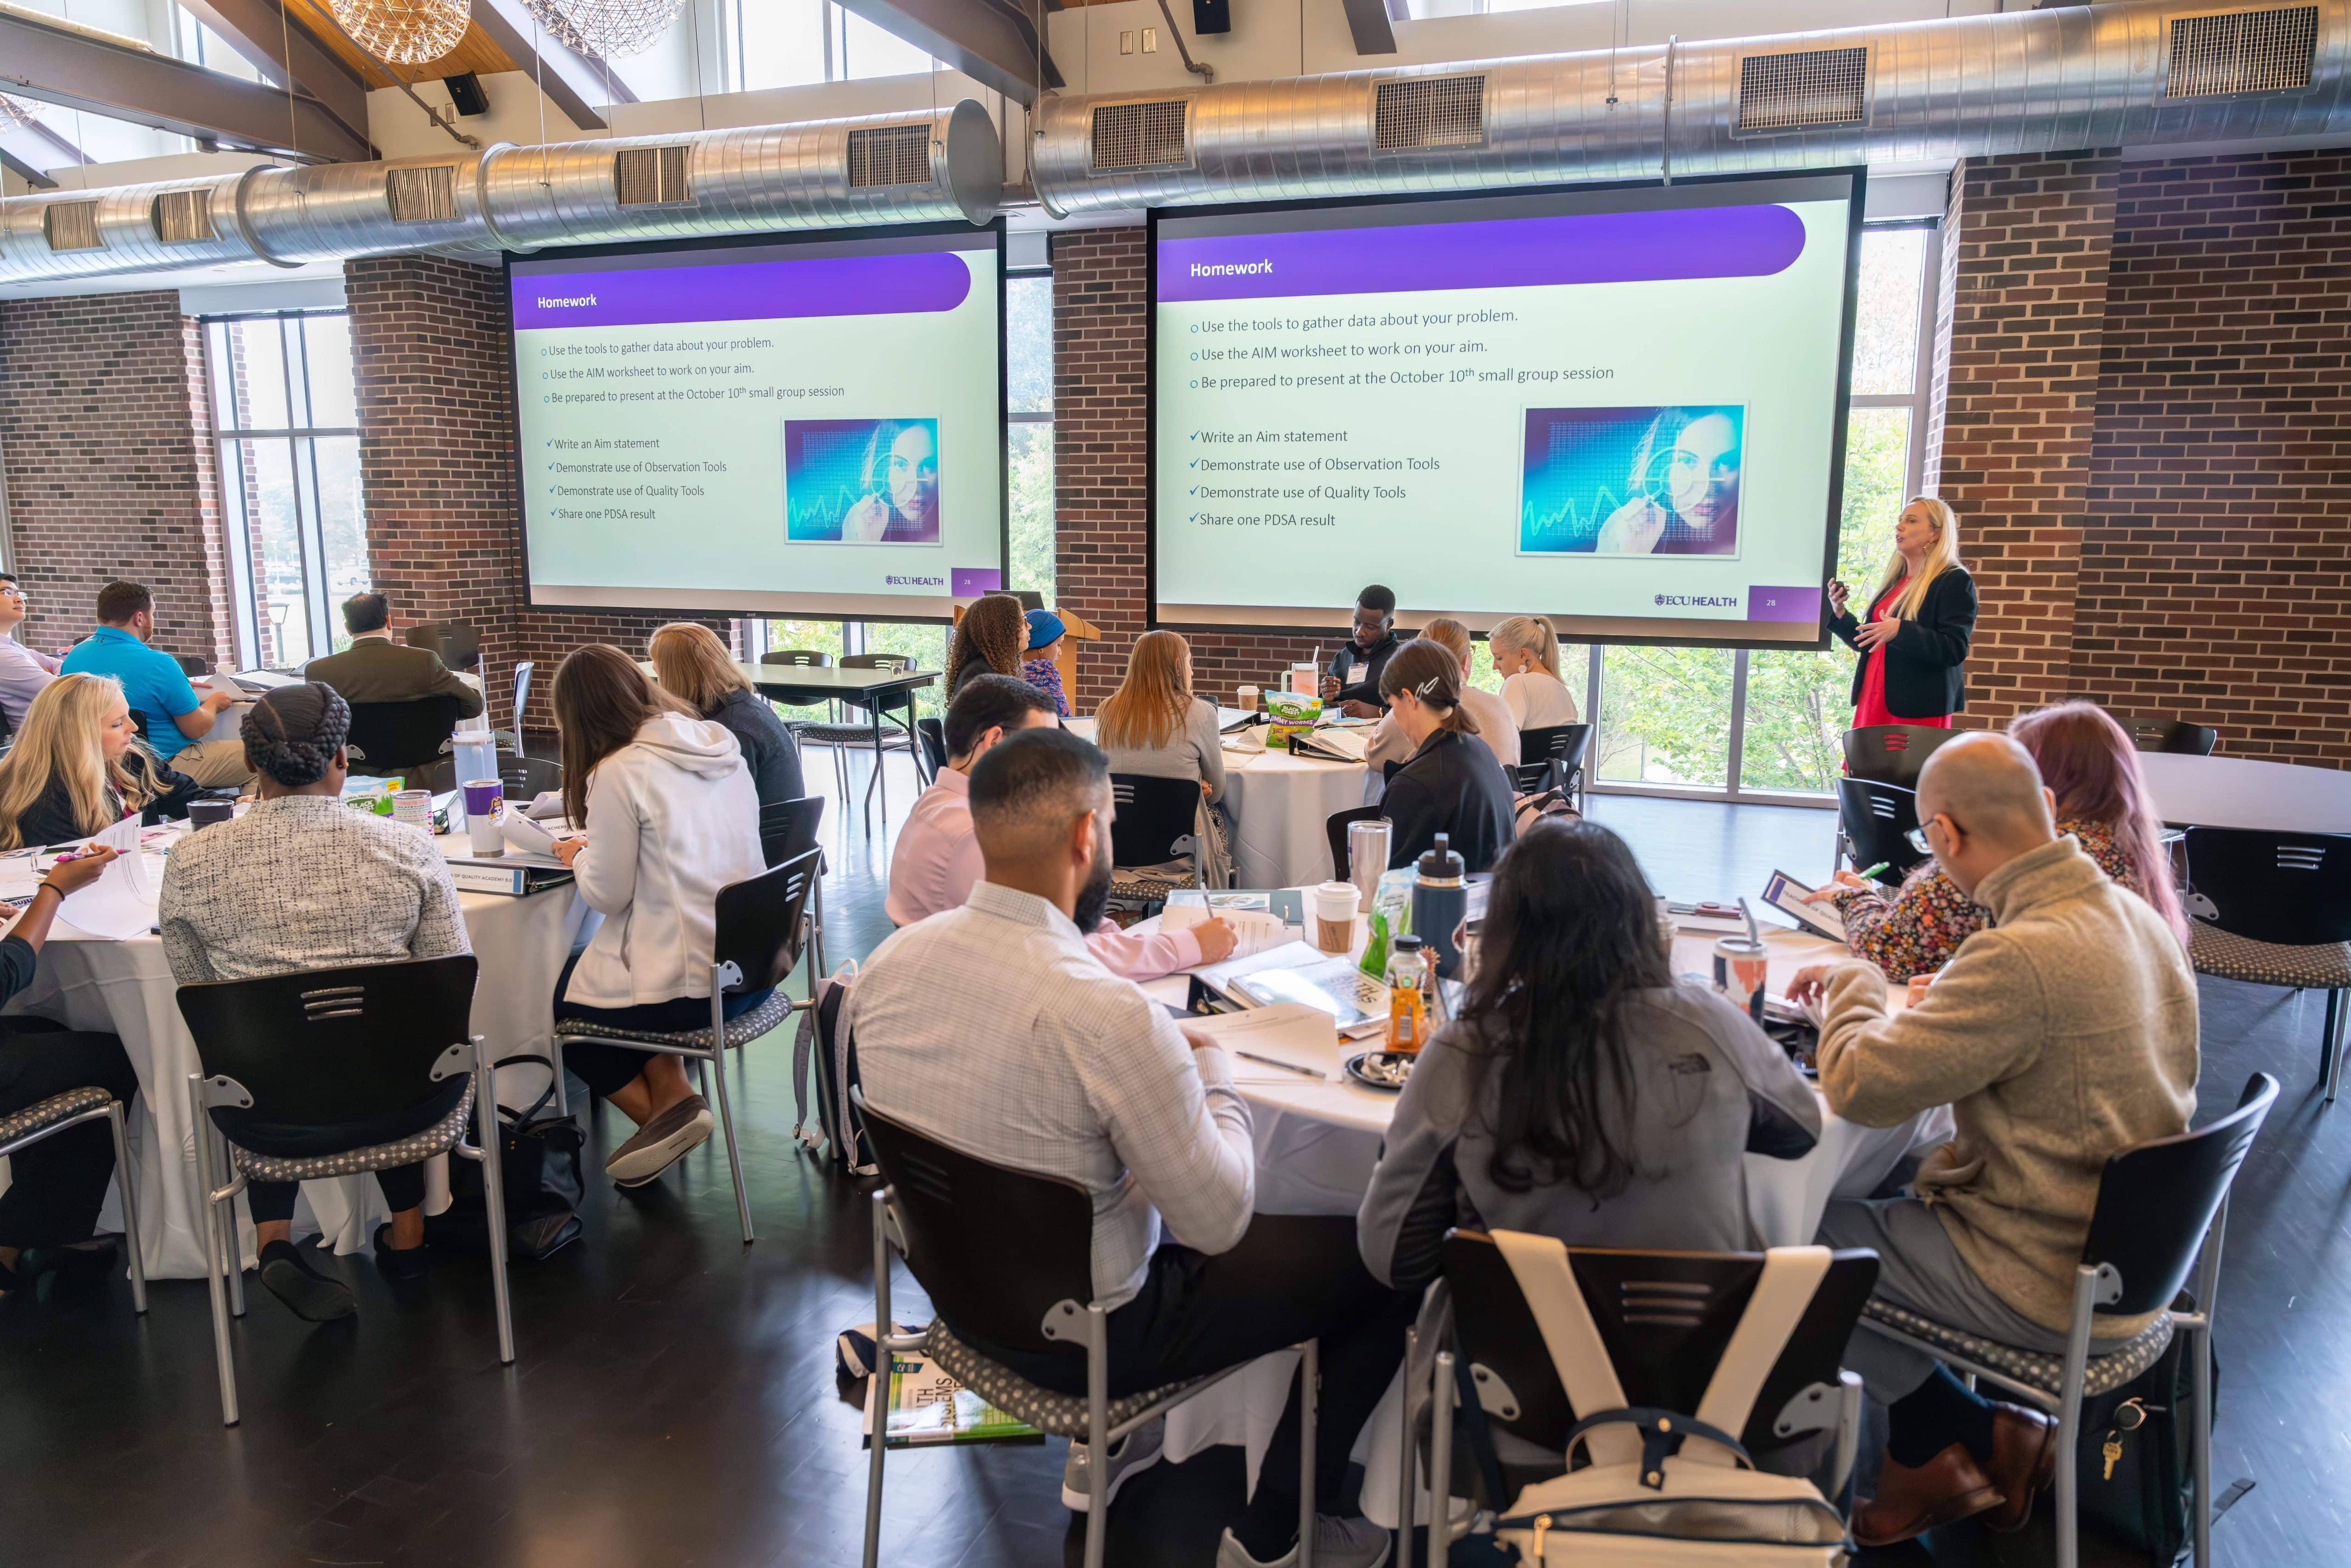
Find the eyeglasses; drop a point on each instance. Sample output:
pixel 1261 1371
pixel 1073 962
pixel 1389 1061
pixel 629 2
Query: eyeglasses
pixel 1916 837
pixel 11 591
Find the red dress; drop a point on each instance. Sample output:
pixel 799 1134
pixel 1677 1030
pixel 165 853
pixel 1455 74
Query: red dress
pixel 1871 709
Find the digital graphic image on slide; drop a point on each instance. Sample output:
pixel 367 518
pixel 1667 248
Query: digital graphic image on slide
pixel 862 481
pixel 1631 481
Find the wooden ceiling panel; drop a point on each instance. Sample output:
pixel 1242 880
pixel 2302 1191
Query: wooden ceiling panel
pixel 475 52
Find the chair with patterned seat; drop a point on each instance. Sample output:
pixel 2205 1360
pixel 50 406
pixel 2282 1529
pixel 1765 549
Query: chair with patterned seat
pixel 1154 849
pixel 2159 1207
pixel 761 922
pixel 1008 1255
pixel 396 1034
pixel 20 1130
pixel 2274 909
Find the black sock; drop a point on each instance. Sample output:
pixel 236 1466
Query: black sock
pixel 1942 1411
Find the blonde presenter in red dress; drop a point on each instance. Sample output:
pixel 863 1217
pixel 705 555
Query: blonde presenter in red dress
pixel 1914 641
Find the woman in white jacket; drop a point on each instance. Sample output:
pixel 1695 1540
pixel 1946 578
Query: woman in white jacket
pixel 670 817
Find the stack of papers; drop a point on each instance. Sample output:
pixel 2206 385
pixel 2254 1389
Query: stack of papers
pixel 121 904
pixel 1302 973
pixel 1287 1042
pixel 1256 929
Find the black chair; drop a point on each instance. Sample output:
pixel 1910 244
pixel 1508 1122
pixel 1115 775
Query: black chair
pixel 1875 820
pixel 1665 1320
pixel 1152 829
pixel 511 740
pixel 788 830
pixel 320 1047
pixel 757 946
pixel 389 737
pixel 1553 755
pixel 933 734
pixel 2274 909
pixel 192 666
pixel 522 779
pixel 2177 736
pixel 1892 753
pixel 1335 827
pixel 869 735
pixel 1007 1256
pixel 45 1119
pixel 2158 1206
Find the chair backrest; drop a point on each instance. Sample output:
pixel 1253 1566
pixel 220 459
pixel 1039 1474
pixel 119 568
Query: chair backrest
pixel 2173 735
pixel 458 643
pixel 319 1047
pixel 1665 1318
pixel 401 735
pixel 877 662
pixel 1877 817
pixel 2156 1202
pixel 1564 744
pixel 1151 814
pixel 521 694
pixel 995 1247
pixel 803 658
pixel 788 829
pixel 760 923
pixel 1335 827
pixel 1892 753
pixel 2289 888
pixel 191 666
pixel 934 735
pixel 524 779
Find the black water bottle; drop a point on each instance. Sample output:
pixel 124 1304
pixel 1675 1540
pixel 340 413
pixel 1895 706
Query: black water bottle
pixel 1439 902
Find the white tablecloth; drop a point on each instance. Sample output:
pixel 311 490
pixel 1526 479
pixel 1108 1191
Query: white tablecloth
pixel 126 989
pixel 1282 806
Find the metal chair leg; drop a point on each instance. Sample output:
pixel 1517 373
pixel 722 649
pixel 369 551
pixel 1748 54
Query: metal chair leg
pixel 223 1358
pixel 1407 1450
pixel 494 1191
pixel 1440 1460
pixel 2069 1419
pixel 2335 1014
pixel 220 1173
pixel 1097 1433
pixel 879 1393
pixel 554 1060
pixel 128 1182
pixel 1309 1391
pixel 725 1104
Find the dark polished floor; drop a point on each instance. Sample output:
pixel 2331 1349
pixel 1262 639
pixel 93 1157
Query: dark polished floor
pixel 675 1402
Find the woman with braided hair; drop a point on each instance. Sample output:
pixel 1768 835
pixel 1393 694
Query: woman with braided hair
pixel 303 881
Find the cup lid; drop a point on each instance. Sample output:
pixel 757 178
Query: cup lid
pixel 1441 862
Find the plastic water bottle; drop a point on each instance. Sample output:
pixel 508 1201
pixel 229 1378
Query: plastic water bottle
pixel 1439 902
pixel 477 751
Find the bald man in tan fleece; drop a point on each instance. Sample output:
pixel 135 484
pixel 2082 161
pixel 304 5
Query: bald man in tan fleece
pixel 2060 1034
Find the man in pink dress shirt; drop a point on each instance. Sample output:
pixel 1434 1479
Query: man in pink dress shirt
pixel 938 859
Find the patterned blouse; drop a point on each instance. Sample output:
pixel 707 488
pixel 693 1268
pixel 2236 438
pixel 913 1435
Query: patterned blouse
pixel 1917 931
pixel 1046 676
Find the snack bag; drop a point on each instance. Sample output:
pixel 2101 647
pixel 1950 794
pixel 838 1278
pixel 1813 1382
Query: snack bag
pixel 1288 714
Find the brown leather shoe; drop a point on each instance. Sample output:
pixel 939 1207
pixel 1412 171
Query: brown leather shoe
pixel 2024 1461
pixel 1948 1488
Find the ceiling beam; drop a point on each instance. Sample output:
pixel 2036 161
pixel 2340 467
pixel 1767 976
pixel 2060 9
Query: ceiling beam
pixel 22 170
pixel 994 42
pixel 1369 23
pixel 281 50
pixel 78 71
pixel 575 83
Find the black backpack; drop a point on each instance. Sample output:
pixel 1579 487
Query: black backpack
pixel 2144 1505
pixel 538 1156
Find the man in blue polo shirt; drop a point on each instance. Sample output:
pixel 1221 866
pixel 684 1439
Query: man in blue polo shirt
pixel 156 688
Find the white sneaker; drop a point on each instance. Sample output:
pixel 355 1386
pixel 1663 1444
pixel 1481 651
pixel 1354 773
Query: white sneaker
pixel 1353 1542
pixel 1137 1451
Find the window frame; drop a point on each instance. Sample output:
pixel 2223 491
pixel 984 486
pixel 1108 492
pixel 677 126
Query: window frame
pixel 1919 401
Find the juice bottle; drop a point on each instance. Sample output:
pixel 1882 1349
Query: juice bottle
pixel 1408 1002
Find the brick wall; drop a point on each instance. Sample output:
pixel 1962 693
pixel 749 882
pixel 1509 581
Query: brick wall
pixel 110 466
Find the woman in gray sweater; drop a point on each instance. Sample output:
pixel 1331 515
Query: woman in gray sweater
pixel 1154 725
pixel 1584 1092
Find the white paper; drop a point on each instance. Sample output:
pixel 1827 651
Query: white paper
pixel 1289 1032
pixel 524 834
pixel 546 805
pixel 223 682
pixel 1255 930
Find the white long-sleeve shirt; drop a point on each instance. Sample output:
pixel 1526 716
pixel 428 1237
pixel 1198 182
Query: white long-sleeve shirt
pixel 995 1029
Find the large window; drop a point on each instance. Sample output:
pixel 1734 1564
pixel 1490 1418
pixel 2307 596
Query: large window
pixel 1726 724
pixel 792 43
pixel 287 419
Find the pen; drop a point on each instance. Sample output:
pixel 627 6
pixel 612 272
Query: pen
pixel 1873 871
pixel 1285 1066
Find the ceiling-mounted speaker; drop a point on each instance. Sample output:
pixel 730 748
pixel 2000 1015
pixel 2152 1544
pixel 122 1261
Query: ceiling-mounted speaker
pixel 466 92
pixel 1212 16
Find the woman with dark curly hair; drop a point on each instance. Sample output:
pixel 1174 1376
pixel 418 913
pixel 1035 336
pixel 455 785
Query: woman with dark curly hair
pixel 303 881
pixel 992 639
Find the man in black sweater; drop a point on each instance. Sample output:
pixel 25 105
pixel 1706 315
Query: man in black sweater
pixel 1351 684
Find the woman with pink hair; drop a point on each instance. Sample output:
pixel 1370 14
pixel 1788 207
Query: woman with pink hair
pixel 2088 763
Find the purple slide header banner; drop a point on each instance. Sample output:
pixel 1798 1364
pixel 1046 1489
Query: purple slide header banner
pixel 902 285
pixel 1502 253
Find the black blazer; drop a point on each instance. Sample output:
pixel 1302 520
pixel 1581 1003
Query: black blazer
pixel 1454 785
pixel 1924 663
pixel 768 750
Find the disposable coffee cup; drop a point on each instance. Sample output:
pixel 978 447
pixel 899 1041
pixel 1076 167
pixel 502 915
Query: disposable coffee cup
pixel 484 802
pixel 1739 967
pixel 202 814
pixel 413 807
pixel 1336 903
pixel 1245 698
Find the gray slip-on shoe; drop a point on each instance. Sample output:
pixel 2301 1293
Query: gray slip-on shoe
pixel 658 1143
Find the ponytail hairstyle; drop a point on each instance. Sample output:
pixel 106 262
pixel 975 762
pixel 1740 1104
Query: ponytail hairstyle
pixel 1431 672
pixel 1941 555
pixel 1529 634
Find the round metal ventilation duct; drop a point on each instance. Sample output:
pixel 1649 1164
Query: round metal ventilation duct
pixel 831 173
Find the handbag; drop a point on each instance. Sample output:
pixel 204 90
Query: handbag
pixel 824 1042
pixel 2141 1500
pixel 539 1161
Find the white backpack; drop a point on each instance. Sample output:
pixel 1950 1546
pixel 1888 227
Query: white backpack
pixel 1667 1489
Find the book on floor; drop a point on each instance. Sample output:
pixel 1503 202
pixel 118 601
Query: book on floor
pixel 928 1407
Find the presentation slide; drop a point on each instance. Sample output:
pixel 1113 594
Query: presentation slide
pixel 1622 410
pixel 803 429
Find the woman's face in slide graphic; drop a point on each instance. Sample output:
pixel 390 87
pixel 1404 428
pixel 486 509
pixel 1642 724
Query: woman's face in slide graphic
pixel 1916 531
pixel 1702 474
pixel 915 474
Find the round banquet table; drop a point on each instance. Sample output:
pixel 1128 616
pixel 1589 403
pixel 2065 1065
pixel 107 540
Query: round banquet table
pixel 2245 792
pixel 1281 808
pixel 126 989
pixel 1317 1143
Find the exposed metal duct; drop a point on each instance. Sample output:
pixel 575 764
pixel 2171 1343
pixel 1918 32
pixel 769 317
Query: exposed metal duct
pixel 914 167
pixel 1916 92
